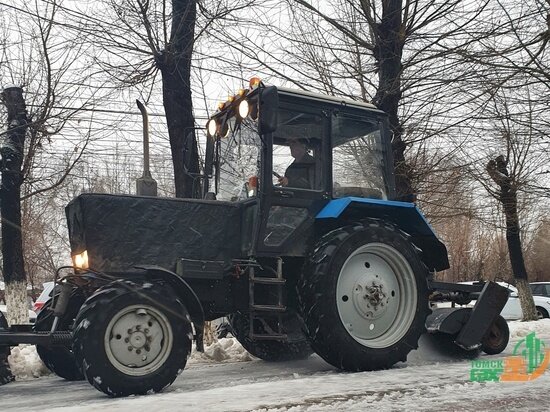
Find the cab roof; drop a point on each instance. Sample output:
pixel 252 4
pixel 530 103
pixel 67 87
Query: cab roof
pixel 327 99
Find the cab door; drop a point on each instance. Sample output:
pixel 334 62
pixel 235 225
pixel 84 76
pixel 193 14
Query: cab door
pixel 295 176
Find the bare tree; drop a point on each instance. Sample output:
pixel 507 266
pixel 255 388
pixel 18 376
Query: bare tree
pixel 135 41
pixel 507 196
pixel 10 204
pixel 512 159
pixel 37 158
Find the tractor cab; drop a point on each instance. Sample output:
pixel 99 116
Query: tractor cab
pixel 290 153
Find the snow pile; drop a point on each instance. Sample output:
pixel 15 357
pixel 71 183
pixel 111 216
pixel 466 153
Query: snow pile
pixel 25 363
pixel 519 329
pixel 222 350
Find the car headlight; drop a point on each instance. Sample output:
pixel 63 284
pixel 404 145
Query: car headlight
pixel 80 261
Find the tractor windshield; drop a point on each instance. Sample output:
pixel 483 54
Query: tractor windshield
pixel 358 157
pixel 239 154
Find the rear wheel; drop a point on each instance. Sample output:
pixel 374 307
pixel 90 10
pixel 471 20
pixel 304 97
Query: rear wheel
pixel 297 346
pixel 5 371
pixel 131 339
pixel 364 296
pixel 60 359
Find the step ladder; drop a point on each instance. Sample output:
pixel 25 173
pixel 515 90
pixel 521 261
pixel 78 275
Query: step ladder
pixel 260 312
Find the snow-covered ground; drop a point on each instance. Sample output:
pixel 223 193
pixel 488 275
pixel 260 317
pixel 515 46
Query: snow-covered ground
pixel 226 378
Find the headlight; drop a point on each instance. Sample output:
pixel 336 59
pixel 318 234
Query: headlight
pixel 244 108
pixel 211 127
pixel 80 261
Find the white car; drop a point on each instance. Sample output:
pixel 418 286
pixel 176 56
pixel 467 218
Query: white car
pixel 540 288
pixel 512 309
pixel 44 296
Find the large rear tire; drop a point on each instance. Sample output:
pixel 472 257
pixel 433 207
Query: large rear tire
pixel 297 346
pixel 5 372
pixel 364 296
pixel 60 359
pixel 131 338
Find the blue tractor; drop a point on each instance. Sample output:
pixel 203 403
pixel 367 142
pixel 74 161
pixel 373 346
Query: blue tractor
pixel 297 238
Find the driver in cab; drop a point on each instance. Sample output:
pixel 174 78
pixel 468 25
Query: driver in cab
pixel 301 172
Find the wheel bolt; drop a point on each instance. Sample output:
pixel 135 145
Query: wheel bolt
pixel 130 331
pixel 138 327
pixel 126 340
pixel 138 351
pixel 146 330
pixel 130 348
pixel 147 348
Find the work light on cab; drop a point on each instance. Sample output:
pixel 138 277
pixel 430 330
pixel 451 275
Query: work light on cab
pixel 211 127
pixel 244 109
pixel 254 82
pixel 80 260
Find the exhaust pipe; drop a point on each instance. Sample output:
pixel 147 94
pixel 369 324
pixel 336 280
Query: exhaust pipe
pixel 145 185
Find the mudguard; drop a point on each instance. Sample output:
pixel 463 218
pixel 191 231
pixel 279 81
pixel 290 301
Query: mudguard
pixel 182 288
pixel 404 215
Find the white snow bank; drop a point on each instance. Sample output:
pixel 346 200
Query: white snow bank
pixel 519 329
pixel 25 363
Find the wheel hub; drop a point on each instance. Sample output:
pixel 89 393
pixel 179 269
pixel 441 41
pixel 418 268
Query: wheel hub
pixel 370 298
pixel 138 339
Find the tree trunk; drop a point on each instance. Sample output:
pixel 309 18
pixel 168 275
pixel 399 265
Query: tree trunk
pixel 389 38
pixel 10 206
pixel 175 66
pixel 498 171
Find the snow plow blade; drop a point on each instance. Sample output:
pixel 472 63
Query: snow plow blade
pixel 467 325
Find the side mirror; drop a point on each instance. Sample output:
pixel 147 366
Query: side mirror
pixel 268 114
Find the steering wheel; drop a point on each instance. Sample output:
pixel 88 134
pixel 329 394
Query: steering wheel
pixel 278 176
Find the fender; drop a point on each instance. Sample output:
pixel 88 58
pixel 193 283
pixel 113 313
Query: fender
pixel 182 288
pixel 406 216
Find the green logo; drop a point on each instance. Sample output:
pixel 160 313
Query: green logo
pixel 529 361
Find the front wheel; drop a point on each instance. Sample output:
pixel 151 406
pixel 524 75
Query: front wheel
pixel 364 296
pixel 130 338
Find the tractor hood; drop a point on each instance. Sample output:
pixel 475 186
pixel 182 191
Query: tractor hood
pixel 119 232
